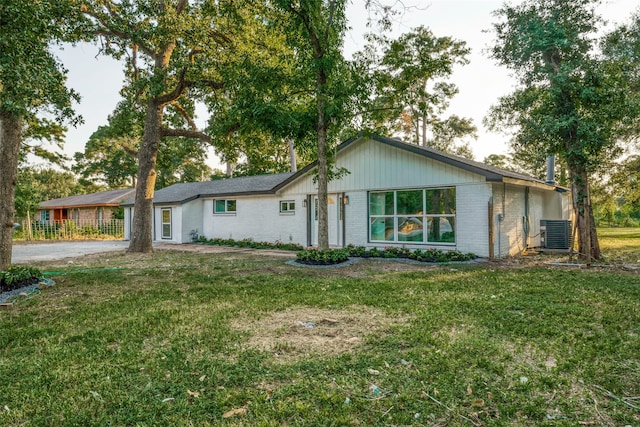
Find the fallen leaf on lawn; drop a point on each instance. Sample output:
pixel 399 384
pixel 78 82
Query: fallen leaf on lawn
pixel 373 371
pixel 477 402
pixel 234 412
pixel 202 378
pixel 469 391
pixel 193 393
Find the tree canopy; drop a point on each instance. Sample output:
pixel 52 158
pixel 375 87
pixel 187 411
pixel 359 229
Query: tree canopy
pixel 175 51
pixel 571 101
pixel 32 81
pixel 411 89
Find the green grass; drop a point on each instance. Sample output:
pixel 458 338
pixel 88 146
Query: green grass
pixel 167 341
pixel 620 245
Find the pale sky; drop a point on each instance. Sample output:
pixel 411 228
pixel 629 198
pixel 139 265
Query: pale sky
pixel 480 84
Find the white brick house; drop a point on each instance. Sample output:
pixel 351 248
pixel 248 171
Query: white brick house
pixel 395 194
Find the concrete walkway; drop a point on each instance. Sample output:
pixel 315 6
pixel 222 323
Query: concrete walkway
pixel 23 253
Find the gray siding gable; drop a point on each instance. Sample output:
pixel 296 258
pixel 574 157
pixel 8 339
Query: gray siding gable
pixel 490 173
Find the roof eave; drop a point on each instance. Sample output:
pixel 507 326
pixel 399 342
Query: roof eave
pixel 90 205
pixel 533 184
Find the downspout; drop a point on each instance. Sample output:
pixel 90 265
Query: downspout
pixel 500 219
pixel 343 211
pixel 309 219
pixel 525 220
pixel 491 234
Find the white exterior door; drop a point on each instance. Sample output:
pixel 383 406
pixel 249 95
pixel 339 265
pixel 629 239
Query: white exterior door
pixel 334 211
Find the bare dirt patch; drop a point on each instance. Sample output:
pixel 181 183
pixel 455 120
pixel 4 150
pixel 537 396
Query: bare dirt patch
pixel 292 334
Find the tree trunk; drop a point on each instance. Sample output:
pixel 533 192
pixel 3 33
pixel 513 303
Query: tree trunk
pixel 323 169
pixel 141 228
pixel 292 155
pixel 588 246
pixel 424 125
pixel 10 139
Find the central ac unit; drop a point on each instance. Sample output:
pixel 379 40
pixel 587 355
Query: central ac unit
pixel 555 234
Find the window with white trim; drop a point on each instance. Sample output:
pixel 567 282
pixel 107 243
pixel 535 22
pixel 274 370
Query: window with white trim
pixel 413 216
pixel 223 206
pixel 287 207
pixel 166 223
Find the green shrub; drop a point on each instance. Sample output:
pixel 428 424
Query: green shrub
pixel 323 257
pixel 426 255
pixel 248 243
pixel 17 276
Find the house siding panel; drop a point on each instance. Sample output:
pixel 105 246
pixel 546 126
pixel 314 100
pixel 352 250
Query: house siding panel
pixel 356 219
pixel 472 227
pixel 508 204
pixel 375 165
pixel 191 217
pixel 259 219
pixel 128 220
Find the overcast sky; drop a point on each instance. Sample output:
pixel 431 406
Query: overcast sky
pixel 481 83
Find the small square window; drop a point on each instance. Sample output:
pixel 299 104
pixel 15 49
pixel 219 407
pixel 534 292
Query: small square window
pixel 287 207
pixel 224 206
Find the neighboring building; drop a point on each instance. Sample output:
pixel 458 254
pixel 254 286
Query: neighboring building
pixel 93 208
pixel 394 194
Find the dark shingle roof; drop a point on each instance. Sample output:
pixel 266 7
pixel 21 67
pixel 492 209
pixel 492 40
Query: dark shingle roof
pixel 103 198
pixel 242 186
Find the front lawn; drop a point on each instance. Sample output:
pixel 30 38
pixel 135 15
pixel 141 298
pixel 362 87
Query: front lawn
pixel 192 339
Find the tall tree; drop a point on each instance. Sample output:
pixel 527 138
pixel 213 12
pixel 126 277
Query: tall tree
pixel 110 154
pixel 571 101
pixel 315 29
pixel 31 81
pixel 412 90
pixel 175 48
pixel 265 104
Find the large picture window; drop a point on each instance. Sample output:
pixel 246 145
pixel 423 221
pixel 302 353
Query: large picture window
pixel 224 206
pixel 413 216
pixel 166 223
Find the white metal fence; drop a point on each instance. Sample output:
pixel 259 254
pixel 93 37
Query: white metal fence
pixel 69 229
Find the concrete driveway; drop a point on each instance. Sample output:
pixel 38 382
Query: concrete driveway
pixel 23 253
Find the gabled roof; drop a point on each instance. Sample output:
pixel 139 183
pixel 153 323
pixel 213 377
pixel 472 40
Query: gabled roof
pixel 242 186
pixel 270 184
pixel 491 173
pixel 103 198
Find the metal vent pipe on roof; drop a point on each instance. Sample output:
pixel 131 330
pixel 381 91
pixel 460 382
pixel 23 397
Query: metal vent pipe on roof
pixel 551 165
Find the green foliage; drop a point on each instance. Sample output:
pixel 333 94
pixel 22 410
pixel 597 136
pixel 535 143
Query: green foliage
pixel 31 79
pixel 249 243
pixel 410 89
pixel 571 100
pixel 616 194
pixel 426 255
pixel 17 276
pixel 323 257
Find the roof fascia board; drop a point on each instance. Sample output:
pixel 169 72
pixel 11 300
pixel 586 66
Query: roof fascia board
pixel 533 184
pixel 312 165
pixel 91 205
pixel 489 176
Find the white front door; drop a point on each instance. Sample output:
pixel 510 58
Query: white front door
pixel 334 211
